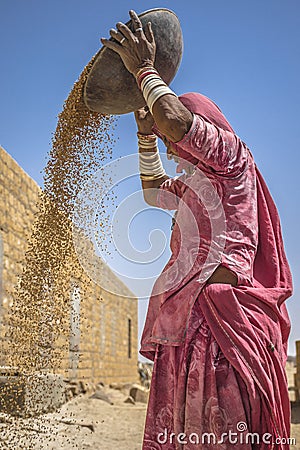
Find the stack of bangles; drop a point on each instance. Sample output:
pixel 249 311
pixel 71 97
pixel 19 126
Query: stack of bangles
pixel 152 85
pixel 151 167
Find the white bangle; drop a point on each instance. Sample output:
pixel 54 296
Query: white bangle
pixel 148 78
pixel 147 145
pixel 153 87
pixel 150 164
pixel 147 142
pixel 149 167
pixel 156 93
pixel 150 177
pixel 148 156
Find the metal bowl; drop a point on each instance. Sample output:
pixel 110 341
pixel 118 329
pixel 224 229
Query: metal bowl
pixel 111 89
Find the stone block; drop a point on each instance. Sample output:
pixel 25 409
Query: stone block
pixel 139 393
pixel 74 387
pixel 86 387
pixel 69 394
pixel 117 386
pixel 129 400
pixel 30 395
pixel 100 395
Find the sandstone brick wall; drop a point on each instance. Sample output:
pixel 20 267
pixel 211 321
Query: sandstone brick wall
pixel 18 197
pixel 297 375
pixel 102 345
pixel 290 370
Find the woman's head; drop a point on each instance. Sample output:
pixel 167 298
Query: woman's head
pixel 203 106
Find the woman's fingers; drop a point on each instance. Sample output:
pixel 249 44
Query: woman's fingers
pixel 142 113
pixel 134 47
pixel 117 36
pixel 124 33
pixel 137 24
pixel 149 33
pixel 123 29
pixel 112 45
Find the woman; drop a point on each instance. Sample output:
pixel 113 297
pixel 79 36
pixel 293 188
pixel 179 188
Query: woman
pixel 217 325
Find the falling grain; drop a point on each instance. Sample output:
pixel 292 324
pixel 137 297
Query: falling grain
pixel 39 319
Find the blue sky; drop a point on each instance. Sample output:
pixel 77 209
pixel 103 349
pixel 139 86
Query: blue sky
pixel 242 54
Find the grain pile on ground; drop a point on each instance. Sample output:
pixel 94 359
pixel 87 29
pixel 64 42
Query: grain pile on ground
pixel 40 313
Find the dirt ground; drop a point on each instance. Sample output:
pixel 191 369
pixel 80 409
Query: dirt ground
pixel 89 423
pixel 83 423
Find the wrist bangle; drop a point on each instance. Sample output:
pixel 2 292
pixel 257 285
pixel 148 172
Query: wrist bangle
pixel 147 141
pixel 146 137
pixel 143 72
pixel 144 69
pixel 156 93
pixel 151 177
pixel 153 87
pixel 150 165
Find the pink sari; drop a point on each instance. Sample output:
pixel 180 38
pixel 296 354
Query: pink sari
pixel 223 385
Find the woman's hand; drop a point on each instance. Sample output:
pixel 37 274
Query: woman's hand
pixel 136 49
pixel 144 120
